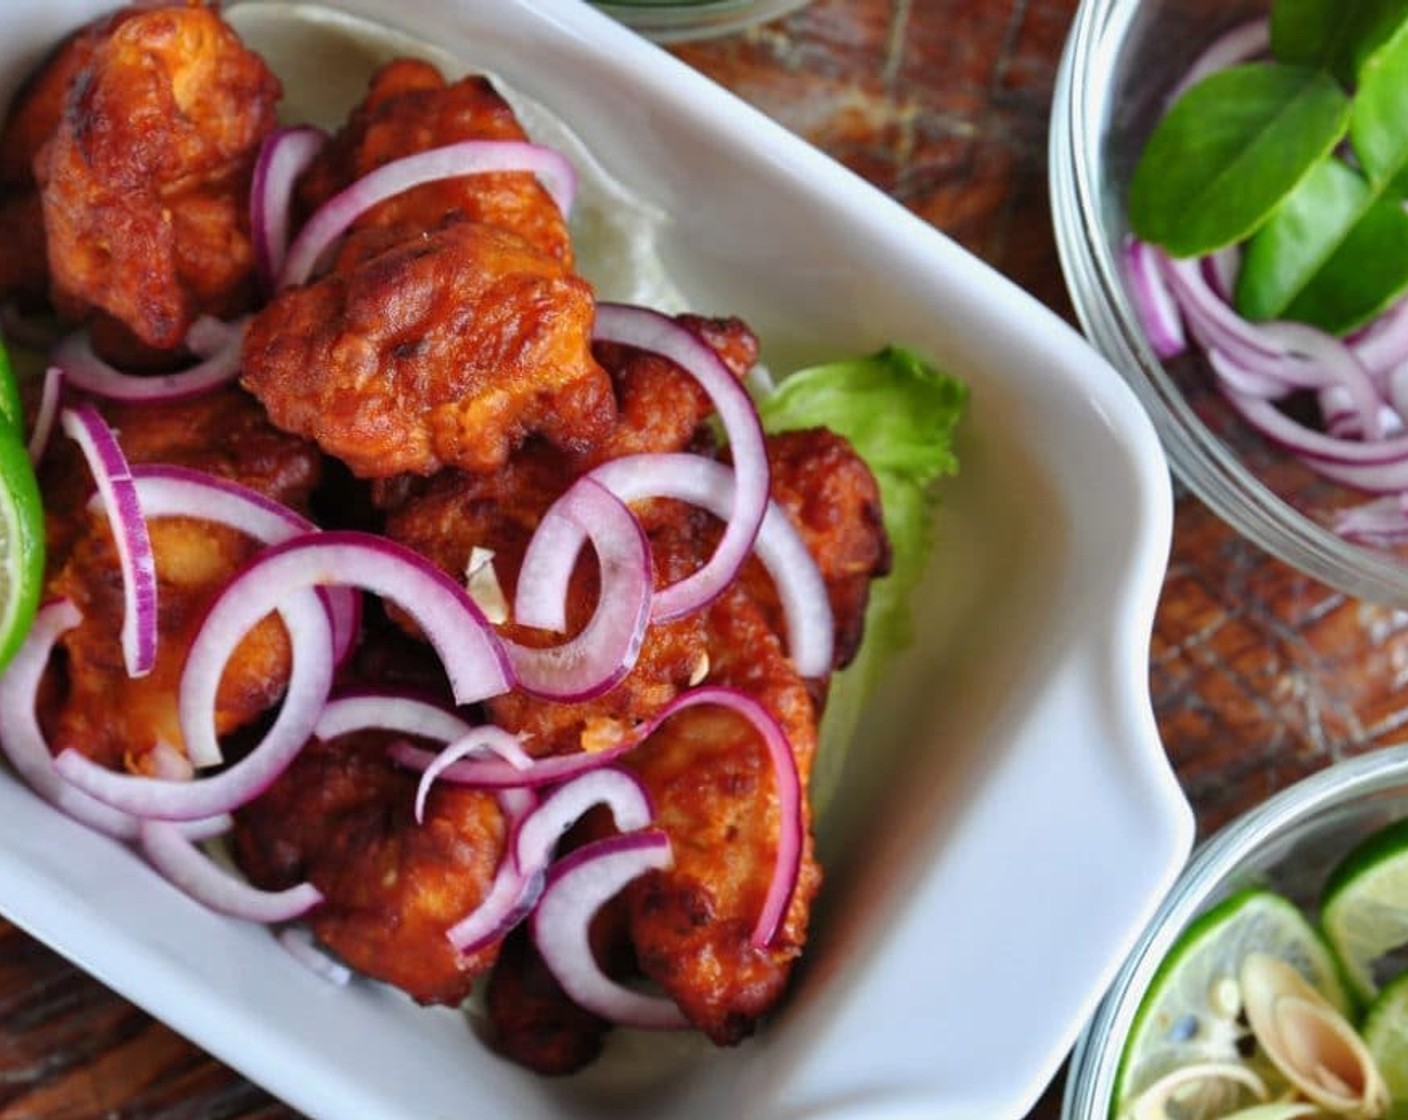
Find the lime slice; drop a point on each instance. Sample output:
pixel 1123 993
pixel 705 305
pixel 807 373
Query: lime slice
pixel 11 408
pixel 1364 910
pixel 21 542
pixel 1385 1032
pixel 1191 1013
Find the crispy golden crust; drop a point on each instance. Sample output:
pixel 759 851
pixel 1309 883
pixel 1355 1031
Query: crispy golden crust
pixel 342 817
pixel 448 349
pixel 99 709
pixel 409 108
pixel 144 181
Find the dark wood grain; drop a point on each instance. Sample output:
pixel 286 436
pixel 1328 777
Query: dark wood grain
pixel 1259 676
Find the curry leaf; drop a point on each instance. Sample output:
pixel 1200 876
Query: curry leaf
pixel 1379 122
pixel 1230 150
pixel 1367 272
pixel 1333 34
pixel 1299 239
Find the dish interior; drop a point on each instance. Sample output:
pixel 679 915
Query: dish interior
pixel 967 803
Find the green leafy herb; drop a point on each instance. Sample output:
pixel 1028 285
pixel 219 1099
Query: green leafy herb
pixel 900 414
pixel 1230 150
pixel 1338 37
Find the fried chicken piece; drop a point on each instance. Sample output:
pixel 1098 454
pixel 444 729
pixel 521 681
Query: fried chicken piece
pixel 830 495
pixel 711 782
pixel 115 719
pixel 342 817
pixel 446 350
pixel 144 181
pixel 34 115
pixel 410 108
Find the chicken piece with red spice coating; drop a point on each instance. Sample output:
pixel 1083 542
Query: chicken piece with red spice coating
pixel 342 816
pixel 833 501
pixel 145 180
pixel 410 108
pixel 445 350
pixel 712 783
pixel 94 705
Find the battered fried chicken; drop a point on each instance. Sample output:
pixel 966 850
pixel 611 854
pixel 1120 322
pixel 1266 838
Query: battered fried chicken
pixel 342 817
pixel 100 710
pixel 409 108
pixel 831 498
pixel 445 350
pixel 144 180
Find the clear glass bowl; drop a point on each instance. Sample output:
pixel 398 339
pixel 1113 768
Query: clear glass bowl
pixel 1122 58
pixel 1288 843
pixel 679 20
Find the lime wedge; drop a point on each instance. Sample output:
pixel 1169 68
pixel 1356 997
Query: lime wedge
pixel 1385 1032
pixel 1191 1013
pixel 21 542
pixel 1364 910
pixel 11 409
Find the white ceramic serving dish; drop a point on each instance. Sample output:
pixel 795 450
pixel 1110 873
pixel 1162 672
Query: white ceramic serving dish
pixel 1006 823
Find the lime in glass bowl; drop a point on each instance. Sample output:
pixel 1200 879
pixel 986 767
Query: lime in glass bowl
pixel 1123 60
pixel 679 20
pixel 1289 844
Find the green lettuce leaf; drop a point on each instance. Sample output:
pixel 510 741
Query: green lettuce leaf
pixel 900 414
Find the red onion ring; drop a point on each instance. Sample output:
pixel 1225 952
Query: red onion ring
pixel 372 709
pixel 488 740
pixel 811 629
pixel 1157 308
pixel 285 154
pixel 511 896
pixel 301 947
pixel 606 649
pixel 644 329
pixel 173 491
pixel 471 653
pixel 217 344
pixel 543 826
pixel 465 157
pixel 577 887
pixel 118 494
pixel 51 393
pixel 173 853
pixel 23 741
pixel 310 635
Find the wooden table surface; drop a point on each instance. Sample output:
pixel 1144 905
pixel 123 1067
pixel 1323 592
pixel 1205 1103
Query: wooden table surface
pixel 1258 675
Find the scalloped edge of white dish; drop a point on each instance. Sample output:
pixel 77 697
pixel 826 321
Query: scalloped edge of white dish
pixel 1008 822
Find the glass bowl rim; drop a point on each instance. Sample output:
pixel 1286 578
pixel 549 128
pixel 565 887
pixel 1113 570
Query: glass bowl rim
pixel 1094 278
pixel 1094 1059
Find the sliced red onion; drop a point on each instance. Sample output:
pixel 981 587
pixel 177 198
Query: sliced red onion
pixel 644 329
pixel 1157 309
pixel 543 826
pixel 185 866
pixel 51 393
pixel 466 157
pixel 1383 344
pixel 310 636
pixel 1242 43
pixel 511 896
pixel 492 773
pixel 811 629
pixel 302 948
pixel 577 887
pixel 21 738
pixel 285 154
pixel 216 343
pixel 478 741
pixel 118 494
pixel 166 490
pixel 606 648
pixel 471 653
pixel 389 711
